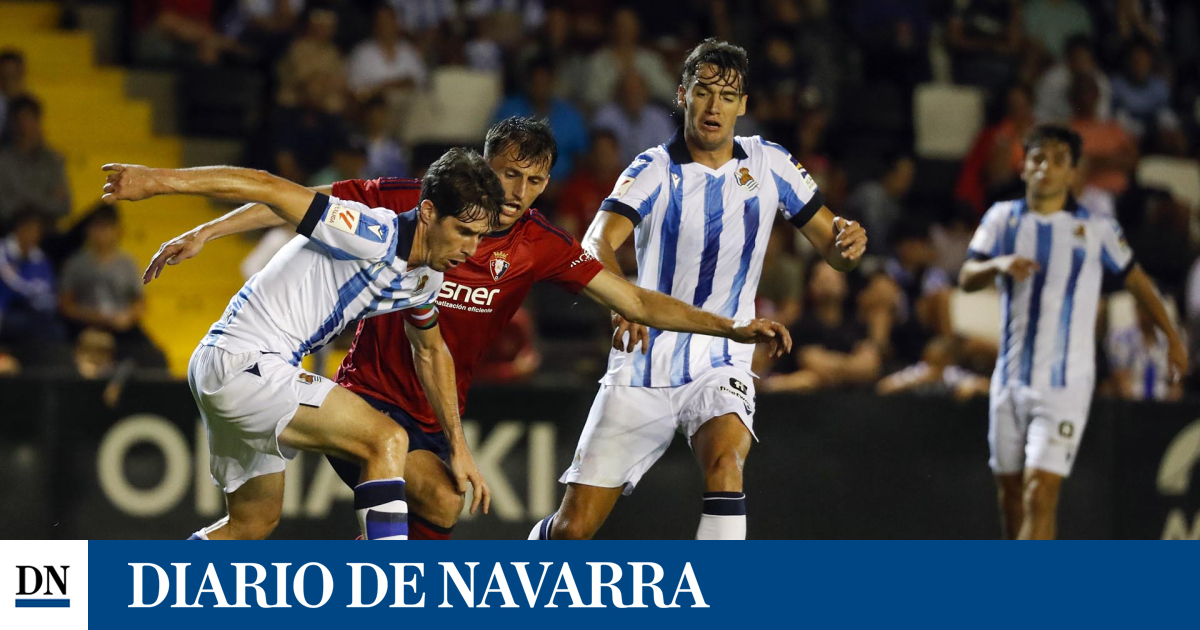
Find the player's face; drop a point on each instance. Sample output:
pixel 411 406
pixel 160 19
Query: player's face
pixel 523 182
pixel 712 103
pixel 452 241
pixel 1048 170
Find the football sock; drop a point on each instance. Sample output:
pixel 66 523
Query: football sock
pixel 724 516
pixel 541 529
pixel 382 510
pixel 202 534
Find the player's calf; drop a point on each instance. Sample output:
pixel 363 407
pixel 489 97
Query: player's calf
pixel 1010 490
pixel 1040 505
pixel 722 445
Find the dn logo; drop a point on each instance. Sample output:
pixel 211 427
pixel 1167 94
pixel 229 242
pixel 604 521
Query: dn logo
pixel 30 580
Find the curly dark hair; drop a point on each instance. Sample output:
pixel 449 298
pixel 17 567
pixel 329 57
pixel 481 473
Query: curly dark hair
pixel 461 184
pixel 530 137
pixel 730 61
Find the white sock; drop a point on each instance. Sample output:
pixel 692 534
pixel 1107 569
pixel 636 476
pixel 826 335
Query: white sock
pixel 381 508
pixel 202 534
pixel 541 529
pixel 724 517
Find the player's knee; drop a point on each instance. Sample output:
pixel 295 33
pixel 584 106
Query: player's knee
pixel 387 444
pixel 566 528
pixel 1040 497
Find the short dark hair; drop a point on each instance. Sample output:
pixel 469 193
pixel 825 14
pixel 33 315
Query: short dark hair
pixel 103 214
pixel 461 184
pixel 27 214
pixel 11 54
pixel 725 57
pixel 530 137
pixel 24 103
pixel 1066 135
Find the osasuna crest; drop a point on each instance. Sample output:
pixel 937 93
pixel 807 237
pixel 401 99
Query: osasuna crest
pixel 498 265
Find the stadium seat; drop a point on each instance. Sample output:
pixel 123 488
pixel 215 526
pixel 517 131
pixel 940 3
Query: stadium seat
pixel 946 119
pixel 1179 176
pixel 456 109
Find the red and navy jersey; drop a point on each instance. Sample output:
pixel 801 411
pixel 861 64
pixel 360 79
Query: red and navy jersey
pixel 477 299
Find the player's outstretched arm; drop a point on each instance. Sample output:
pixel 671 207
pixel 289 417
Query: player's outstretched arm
pixel 979 274
pixel 651 308
pixel 130 182
pixel 840 242
pixel 245 218
pixel 1142 289
pixel 435 369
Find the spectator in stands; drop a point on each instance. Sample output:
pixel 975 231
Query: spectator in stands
pixel 350 161
pixel 1110 153
pixel 12 84
pixel 1130 20
pixel 992 168
pixel 265 26
pixel 879 203
pixel 1138 359
pixel 830 349
pixel 553 41
pixel 95 353
pixel 937 374
pixel 1050 24
pixel 538 100
pixel 923 305
pixel 354 20
pixel 1142 102
pixel 622 54
pixel 951 237
pixel 512 357
pixel 631 116
pixel 781 289
pixel 385 62
pixel 178 31
pixel 27 301
pixel 102 288
pixel 32 175
pixel 894 37
pixel 593 180
pixel 985 38
pixel 1052 102
pixel 304 136
pixel 313 56
pixel 385 156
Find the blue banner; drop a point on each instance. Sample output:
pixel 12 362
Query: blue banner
pixel 180 585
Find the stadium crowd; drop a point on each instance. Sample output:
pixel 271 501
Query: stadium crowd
pixel 833 82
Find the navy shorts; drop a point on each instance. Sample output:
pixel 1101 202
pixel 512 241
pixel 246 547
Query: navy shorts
pixel 418 440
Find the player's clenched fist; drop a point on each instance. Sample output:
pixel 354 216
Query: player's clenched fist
pixel 851 240
pixel 764 331
pixel 130 182
pixel 1017 267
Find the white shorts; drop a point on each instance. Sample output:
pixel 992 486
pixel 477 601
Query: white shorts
pixel 629 428
pixel 246 400
pixel 1030 429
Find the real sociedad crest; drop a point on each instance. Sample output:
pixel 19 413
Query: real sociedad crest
pixel 498 265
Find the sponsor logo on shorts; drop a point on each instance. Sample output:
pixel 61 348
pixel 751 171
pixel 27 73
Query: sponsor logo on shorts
pixel 740 391
pixel 738 385
pixel 1066 429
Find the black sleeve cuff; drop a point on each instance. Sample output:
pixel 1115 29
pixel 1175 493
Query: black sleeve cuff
pixel 612 205
pixel 1111 282
pixel 809 210
pixel 977 255
pixel 1124 273
pixel 315 210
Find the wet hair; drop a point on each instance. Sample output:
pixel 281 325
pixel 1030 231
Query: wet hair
pixel 1066 135
pixel 462 185
pixel 531 139
pixel 730 61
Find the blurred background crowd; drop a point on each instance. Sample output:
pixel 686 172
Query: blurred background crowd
pixel 910 115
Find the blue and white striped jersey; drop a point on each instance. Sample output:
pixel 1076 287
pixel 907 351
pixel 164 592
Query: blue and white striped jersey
pixel 700 237
pixel 349 262
pixel 1048 321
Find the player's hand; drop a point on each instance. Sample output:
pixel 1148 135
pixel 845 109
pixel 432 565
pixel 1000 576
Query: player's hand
pixel 851 239
pixel 638 333
pixel 130 182
pixel 173 252
pixel 462 466
pixel 765 331
pixel 1178 359
pixel 1017 267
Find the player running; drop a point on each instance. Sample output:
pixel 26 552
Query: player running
pixel 702 205
pixel 478 298
pixel 1047 255
pixel 351 261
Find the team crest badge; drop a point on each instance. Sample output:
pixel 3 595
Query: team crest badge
pixel 421 284
pixel 307 379
pixel 498 265
pixel 745 180
pixel 1079 231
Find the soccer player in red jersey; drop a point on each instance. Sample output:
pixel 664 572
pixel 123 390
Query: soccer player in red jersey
pixel 477 299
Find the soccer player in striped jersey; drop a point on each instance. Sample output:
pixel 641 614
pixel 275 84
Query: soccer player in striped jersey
pixel 700 208
pixel 1048 257
pixel 350 261
pixel 477 299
